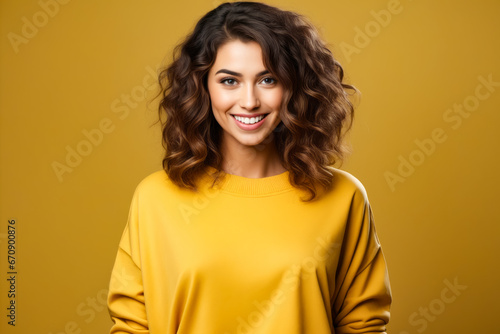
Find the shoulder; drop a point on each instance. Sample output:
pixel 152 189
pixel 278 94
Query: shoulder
pixel 158 186
pixel 155 184
pixel 153 179
pixel 348 184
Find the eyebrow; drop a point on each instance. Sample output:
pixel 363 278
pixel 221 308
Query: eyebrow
pixel 236 74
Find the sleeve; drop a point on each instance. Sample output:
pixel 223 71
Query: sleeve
pixel 362 295
pixel 126 303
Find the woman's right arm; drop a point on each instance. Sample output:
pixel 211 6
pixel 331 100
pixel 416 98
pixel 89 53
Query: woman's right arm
pixel 126 303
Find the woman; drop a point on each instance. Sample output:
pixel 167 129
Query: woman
pixel 249 228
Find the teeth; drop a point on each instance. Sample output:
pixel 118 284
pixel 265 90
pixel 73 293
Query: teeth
pixel 249 120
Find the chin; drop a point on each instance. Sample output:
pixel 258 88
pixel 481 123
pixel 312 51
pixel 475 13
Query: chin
pixel 251 142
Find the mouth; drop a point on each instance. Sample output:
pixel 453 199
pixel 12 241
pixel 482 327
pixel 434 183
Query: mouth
pixel 250 120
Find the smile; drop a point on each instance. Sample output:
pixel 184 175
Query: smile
pixel 249 120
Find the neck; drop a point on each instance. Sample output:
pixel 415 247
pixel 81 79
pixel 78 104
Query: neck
pixel 251 161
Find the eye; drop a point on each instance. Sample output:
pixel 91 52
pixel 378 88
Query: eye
pixel 228 81
pixel 269 81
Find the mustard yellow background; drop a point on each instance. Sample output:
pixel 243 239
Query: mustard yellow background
pixel 77 135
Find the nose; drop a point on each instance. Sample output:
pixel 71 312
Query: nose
pixel 249 99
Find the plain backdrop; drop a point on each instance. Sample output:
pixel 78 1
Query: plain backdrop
pixel 77 133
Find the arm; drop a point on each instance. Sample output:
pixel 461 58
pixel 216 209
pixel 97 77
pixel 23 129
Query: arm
pixel 126 303
pixel 362 296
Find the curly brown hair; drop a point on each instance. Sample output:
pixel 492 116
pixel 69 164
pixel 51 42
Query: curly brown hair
pixel 315 111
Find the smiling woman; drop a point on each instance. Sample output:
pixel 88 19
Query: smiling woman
pixel 315 108
pixel 249 228
pixel 246 102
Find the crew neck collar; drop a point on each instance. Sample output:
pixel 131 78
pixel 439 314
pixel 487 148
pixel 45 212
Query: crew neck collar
pixel 245 186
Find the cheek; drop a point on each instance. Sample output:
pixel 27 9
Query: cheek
pixel 221 99
pixel 275 98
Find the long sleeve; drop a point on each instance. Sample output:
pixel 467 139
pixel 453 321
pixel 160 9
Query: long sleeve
pixel 362 295
pixel 126 303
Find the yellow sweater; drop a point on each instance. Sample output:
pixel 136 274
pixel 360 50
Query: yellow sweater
pixel 249 257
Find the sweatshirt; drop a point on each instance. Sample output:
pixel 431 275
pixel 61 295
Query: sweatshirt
pixel 248 256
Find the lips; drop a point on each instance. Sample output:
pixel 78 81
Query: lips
pixel 249 122
pixel 249 115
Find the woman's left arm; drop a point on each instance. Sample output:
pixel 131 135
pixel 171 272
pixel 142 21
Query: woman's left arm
pixel 362 295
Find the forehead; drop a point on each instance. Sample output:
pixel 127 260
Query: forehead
pixel 242 57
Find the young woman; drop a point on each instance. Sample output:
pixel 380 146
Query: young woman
pixel 249 228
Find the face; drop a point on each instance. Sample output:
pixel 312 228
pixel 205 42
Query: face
pixel 245 97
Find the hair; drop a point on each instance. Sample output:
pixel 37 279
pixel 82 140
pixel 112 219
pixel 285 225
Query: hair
pixel 315 112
